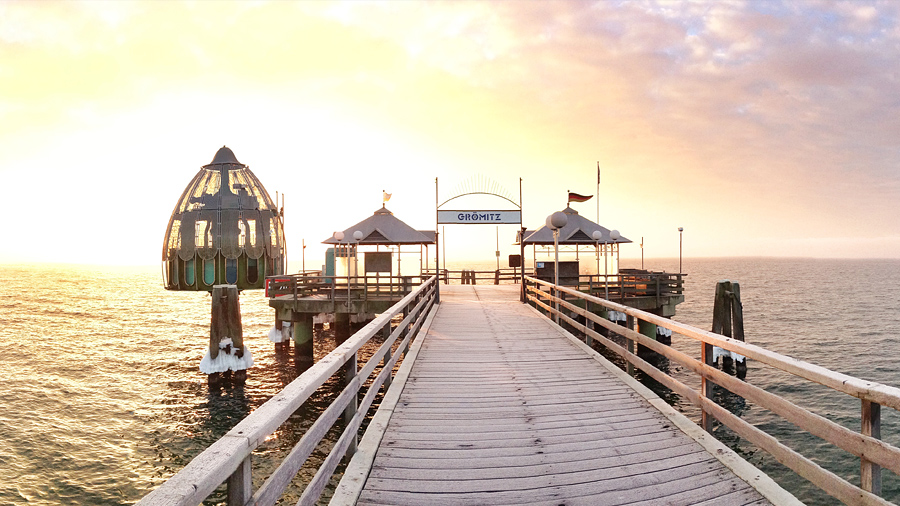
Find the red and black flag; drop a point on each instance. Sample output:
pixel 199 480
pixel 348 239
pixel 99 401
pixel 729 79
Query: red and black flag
pixel 574 197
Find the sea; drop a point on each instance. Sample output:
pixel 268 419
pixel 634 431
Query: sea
pixel 102 399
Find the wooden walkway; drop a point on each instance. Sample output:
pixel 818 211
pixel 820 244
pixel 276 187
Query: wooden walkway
pixel 500 406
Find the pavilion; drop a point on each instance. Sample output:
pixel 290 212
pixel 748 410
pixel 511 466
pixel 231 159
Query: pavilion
pixel 384 231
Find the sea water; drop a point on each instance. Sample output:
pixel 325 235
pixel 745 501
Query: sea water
pixel 101 398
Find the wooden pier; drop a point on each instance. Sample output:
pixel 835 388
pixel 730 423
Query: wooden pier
pixel 503 407
pixel 495 404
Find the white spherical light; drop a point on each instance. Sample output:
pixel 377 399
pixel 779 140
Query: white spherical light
pixel 558 220
pixel 357 236
pixel 339 236
pixel 615 235
pixel 597 235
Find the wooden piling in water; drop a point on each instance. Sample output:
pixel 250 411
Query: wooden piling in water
pixel 728 320
pixel 302 327
pixel 285 344
pixel 225 321
pixel 648 329
pixel 341 327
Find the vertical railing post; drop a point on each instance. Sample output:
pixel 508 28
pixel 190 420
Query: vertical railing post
pixel 629 343
pixel 554 306
pixel 706 353
pixel 386 332
pixel 350 411
pixel 588 306
pixel 240 485
pixel 405 332
pixel 588 340
pixel 870 473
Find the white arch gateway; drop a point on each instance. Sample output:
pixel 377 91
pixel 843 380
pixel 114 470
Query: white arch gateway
pixel 509 212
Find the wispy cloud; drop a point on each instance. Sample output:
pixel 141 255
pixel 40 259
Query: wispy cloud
pixel 784 114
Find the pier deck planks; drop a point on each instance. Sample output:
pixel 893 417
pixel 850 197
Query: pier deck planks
pixel 501 408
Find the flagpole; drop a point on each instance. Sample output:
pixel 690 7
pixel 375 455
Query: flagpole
pixel 598 192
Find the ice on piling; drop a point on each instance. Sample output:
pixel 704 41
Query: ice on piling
pixel 719 352
pixel 226 360
pixel 279 336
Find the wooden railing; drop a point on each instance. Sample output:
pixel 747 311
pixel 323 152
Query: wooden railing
pixel 476 277
pixel 228 459
pixel 874 454
pixel 627 283
pixel 361 287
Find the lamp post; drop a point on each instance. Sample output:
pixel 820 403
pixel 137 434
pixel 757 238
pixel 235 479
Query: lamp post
pixel 680 230
pixel 555 222
pixel 339 236
pixel 614 236
pixel 357 236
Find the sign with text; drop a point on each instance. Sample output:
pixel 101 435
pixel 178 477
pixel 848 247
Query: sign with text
pixel 480 217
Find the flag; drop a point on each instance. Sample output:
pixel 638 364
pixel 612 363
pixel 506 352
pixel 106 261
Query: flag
pixel 598 172
pixel 386 196
pixel 574 197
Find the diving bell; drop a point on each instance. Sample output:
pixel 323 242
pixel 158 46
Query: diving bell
pixel 225 229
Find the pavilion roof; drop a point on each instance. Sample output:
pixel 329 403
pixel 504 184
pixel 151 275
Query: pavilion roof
pixel 578 230
pixel 383 228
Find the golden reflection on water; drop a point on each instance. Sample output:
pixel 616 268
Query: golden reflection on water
pixel 102 399
pixel 105 399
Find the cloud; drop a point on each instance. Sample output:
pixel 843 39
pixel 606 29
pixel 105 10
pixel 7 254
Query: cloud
pixel 708 113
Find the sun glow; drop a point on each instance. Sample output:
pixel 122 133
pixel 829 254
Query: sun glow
pixel 108 109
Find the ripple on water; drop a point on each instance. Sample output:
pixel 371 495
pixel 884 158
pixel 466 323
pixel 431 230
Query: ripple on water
pixel 106 401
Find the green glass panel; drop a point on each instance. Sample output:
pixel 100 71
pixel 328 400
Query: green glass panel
pixel 189 272
pixel 209 271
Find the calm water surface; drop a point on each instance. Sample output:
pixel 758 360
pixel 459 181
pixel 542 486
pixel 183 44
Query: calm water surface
pixel 102 399
pixel 839 314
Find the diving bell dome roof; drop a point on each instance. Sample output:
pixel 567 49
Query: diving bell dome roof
pixel 224 155
pixel 224 210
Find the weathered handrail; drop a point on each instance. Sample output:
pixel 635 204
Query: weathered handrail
pixel 478 277
pixel 315 283
pixel 874 453
pixel 228 459
pixel 629 283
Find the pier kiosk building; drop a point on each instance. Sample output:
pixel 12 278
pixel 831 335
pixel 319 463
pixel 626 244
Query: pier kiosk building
pixel 655 292
pixel 350 287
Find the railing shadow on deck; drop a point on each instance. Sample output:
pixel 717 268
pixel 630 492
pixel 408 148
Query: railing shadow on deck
pixel 228 459
pixel 874 454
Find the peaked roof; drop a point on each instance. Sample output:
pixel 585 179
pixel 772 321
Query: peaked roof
pixel 383 228
pixel 578 230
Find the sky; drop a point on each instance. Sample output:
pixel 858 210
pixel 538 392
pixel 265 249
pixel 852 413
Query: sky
pixel 761 128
